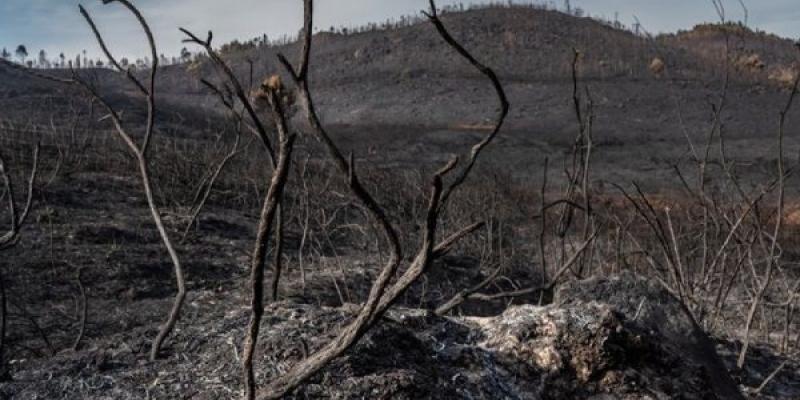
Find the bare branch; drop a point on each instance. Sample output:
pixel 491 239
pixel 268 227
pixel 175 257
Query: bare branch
pixel 268 213
pixel 108 54
pixel 498 87
pixel 463 295
pixel 381 296
pixel 238 89
pixel 18 220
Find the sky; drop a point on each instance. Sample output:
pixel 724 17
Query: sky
pixel 56 25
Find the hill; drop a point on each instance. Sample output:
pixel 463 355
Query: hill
pixel 404 90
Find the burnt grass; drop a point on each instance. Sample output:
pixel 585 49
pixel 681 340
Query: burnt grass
pixel 130 286
pixel 106 230
pixel 392 99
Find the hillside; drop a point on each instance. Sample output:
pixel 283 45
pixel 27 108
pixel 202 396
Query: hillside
pixel 403 89
pixel 645 248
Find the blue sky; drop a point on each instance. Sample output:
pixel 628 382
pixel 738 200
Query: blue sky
pixel 56 25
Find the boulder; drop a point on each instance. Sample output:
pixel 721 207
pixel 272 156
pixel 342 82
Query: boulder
pixel 649 307
pixel 621 338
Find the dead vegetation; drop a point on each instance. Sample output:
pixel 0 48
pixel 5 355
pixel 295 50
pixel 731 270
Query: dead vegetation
pixel 18 218
pixel 424 248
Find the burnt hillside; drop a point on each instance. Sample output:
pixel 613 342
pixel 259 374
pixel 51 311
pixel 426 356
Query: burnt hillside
pixel 404 89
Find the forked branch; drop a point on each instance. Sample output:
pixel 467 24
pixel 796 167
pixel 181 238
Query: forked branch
pixel 462 175
pixel 140 152
pixel 381 295
pixel 237 88
pixel 17 220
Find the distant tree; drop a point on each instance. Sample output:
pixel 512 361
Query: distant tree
pixel 124 62
pixel 185 55
pixel 63 59
pixel 99 64
pixel 78 61
pixel 43 62
pixel 5 54
pixel 22 53
pixel 29 63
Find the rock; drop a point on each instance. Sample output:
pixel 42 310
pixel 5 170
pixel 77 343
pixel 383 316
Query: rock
pixel 536 336
pixel 580 348
pixel 649 307
pixel 586 351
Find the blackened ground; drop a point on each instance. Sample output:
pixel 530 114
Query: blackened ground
pixel 576 350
